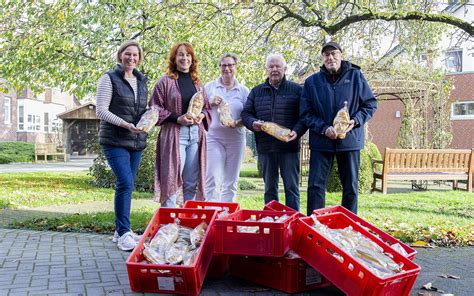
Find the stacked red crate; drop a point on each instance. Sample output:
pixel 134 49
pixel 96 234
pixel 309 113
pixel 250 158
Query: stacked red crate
pixel 175 279
pixel 220 263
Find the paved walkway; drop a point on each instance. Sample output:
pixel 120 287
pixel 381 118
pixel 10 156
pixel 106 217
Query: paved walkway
pixel 52 263
pixel 75 164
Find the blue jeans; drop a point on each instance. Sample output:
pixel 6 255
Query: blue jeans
pixel 189 157
pixel 348 163
pixel 124 163
pixel 289 166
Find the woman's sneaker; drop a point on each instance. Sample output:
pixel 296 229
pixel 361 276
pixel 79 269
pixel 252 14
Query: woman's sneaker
pixel 136 237
pixel 126 242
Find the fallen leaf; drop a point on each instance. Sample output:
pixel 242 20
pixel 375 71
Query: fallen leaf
pixel 421 244
pixel 429 287
pixel 450 276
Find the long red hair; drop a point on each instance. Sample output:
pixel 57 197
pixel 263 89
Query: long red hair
pixel 172 70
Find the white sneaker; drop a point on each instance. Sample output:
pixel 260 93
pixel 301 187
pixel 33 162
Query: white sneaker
pixel 126 242
pixel 136 237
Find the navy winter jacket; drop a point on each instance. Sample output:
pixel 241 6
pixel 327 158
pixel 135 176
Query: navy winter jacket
pixel 276 105
pixel 322 99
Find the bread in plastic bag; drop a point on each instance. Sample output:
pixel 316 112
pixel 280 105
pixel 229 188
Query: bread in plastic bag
pixel 176 253
pixel 148 120
pixel 165 237
pixel 195 105
pixel 273 129
pixel 197 235
pixel 341 121
pixel 153 256
pixel 225 116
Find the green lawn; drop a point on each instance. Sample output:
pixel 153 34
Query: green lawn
pixel 439 217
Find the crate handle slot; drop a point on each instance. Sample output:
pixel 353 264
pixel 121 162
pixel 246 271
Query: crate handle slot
pixel 160 271
pixel 335 254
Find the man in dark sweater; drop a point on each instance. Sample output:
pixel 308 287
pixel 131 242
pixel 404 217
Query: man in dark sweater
pixel 277 100
pixel 324 94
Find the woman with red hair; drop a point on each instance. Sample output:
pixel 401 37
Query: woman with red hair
pixel 181 144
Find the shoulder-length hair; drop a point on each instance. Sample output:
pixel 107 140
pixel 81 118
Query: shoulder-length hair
pixel 172 70
pixel 126 45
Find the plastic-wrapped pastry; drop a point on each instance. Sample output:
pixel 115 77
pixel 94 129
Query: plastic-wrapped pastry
pixel 148 120
pixel 165 237
pixel 190 257
pixel 197 235
pixel 225 116
pixel 153 256
pixel 276 130
pixel 176 253
pixel 281 218
pixel 195 105
pixel 341 121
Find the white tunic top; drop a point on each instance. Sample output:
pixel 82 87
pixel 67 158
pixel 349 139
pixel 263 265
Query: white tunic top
pixel 236 98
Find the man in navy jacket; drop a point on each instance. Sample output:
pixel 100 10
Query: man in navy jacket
pixel 277 100
pixel 323 96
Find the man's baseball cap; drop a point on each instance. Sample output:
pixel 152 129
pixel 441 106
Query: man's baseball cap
pixel 331 44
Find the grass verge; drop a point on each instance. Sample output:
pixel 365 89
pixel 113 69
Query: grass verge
pixel 444 218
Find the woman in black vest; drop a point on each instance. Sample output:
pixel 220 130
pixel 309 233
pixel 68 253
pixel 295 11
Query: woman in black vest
pixel 121 100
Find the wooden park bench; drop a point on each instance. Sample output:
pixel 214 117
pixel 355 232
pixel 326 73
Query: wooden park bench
pixel 424 164
pixel 43 150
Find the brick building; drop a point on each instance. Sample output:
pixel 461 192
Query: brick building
pixel 32 117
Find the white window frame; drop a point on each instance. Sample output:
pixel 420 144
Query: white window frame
pixel 7 108
pixel 461 117
pixel 21 117
pixel 451 70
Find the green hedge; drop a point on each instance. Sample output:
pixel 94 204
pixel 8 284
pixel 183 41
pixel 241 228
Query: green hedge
pixel 16 152
pixel 365 174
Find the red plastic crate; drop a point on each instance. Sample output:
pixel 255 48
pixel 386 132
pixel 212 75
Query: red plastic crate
pixel 216 205
pixel 349 275
pixel 278 206
pixel 290 275
pixel 385 237
pixel 273 239
pixel 220 263
pixel 176 279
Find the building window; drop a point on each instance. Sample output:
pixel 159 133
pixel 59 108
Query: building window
pixel 7 108
pixel 37 123
pixel 46 122
pixel 34 122
pixel 21 116
pixel 453 60
pixel 462 110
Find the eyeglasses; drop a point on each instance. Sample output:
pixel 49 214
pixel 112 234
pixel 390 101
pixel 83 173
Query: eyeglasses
pixel 333 53
pixel 223 66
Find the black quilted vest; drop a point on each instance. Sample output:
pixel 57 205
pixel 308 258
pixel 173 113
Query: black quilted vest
pixel 124 106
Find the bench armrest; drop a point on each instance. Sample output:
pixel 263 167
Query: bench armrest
pixel 375 163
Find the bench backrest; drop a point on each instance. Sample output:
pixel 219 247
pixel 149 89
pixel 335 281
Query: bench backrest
pixel 46 147
pixel 428 160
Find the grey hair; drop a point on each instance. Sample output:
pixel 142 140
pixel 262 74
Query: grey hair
pixel 273 56
pixel 228 55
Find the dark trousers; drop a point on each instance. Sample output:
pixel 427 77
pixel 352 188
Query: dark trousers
pixel 124 163
pixel 288 166
pixel 348 163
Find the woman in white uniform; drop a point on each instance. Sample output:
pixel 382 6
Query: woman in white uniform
pixel 225 145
